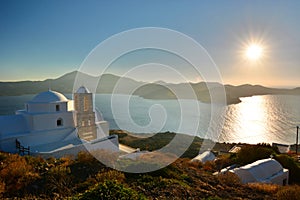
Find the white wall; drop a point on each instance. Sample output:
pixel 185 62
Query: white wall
pixel 110 144
pixel 46 107
pixel 37 107
pixel 71 105
pixel 102 129
pixel 279 178
pixel 49 121
pixel 246 177
pixel 43 137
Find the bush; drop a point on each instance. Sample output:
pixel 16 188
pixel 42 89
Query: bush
pixel 109 190
pixel 2 188
pixel 250 153
pixel 289 163
pixel 85 166
pixel 229 179
pixel 223 161
pixel 264 187
pixel 288 193
pixel 16 174
pixel 86 158
pixel 59 180
pixel 112 175
pixel 106 157
pixel 209 166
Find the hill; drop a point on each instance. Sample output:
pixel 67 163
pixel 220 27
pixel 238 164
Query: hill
pixel 84 177
pixel 157 90
pixel 150 142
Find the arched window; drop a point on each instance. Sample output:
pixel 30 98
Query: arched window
pixel 60 122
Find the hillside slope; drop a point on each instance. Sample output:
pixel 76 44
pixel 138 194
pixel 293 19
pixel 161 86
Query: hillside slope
pixel 107 84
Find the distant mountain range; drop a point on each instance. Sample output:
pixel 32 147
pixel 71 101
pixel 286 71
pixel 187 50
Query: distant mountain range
pixel 157 90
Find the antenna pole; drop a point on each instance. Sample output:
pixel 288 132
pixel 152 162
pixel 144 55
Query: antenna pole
pixel 297 140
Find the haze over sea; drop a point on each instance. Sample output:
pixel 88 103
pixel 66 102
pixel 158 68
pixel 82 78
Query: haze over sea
pixel 268 118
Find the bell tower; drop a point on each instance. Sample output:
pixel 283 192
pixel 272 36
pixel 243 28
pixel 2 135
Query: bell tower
pixel 85 115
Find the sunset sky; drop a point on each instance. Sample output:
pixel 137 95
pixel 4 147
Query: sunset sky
pixel 46 39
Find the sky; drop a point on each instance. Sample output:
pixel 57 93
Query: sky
pixel 42 39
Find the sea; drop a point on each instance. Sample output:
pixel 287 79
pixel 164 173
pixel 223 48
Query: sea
pixel 257 119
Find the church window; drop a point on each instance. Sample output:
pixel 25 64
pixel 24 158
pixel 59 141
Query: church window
pixel 82 123
pixel 57 108
pixel 59 122
pixel 89 122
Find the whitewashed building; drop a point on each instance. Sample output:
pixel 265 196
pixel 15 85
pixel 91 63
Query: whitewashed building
pixel 53 125
pixel 204 157
pixel 282 148
pixel 264 171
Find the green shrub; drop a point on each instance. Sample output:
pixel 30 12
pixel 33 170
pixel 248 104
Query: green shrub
pixel 86 158
pixel 251 153
pixel 112 175
pixel 137 165
pixel 289 163
pixel 59 180
pixel 151 182
pixel 266 145
pixel 223 161
pixel 85 166
pixel 109 190
pixel 84 185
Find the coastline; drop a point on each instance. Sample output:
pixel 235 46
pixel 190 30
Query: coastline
pixel 152 142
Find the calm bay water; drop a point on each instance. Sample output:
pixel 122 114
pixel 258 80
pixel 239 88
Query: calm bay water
pixel 269 118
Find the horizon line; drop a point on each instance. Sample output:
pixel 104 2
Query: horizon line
pixel 154 81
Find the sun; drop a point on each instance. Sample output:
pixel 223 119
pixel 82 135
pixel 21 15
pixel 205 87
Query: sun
pixel 254 52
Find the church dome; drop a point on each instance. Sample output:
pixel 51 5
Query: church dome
pixel 82 90
pixel 49 96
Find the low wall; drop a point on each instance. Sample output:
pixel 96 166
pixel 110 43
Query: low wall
pixel 110 143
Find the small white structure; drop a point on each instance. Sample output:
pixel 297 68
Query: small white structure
pixel 204 157
pixel 264 171
pixel 235 149
pixel 282 148
pixel 51 124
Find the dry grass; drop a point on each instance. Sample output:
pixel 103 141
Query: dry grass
pixel 209 166
pixel 289 193
pixel 229 179
pixel 15 173
pixel 110 175
pixel 264 187
pixel 35 178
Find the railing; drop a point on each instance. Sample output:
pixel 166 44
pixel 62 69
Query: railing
pixel 22 150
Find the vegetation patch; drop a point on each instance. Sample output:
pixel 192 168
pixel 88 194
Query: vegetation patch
pixel 84 177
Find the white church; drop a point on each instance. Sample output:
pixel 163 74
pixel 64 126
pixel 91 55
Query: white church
pixel 52 125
